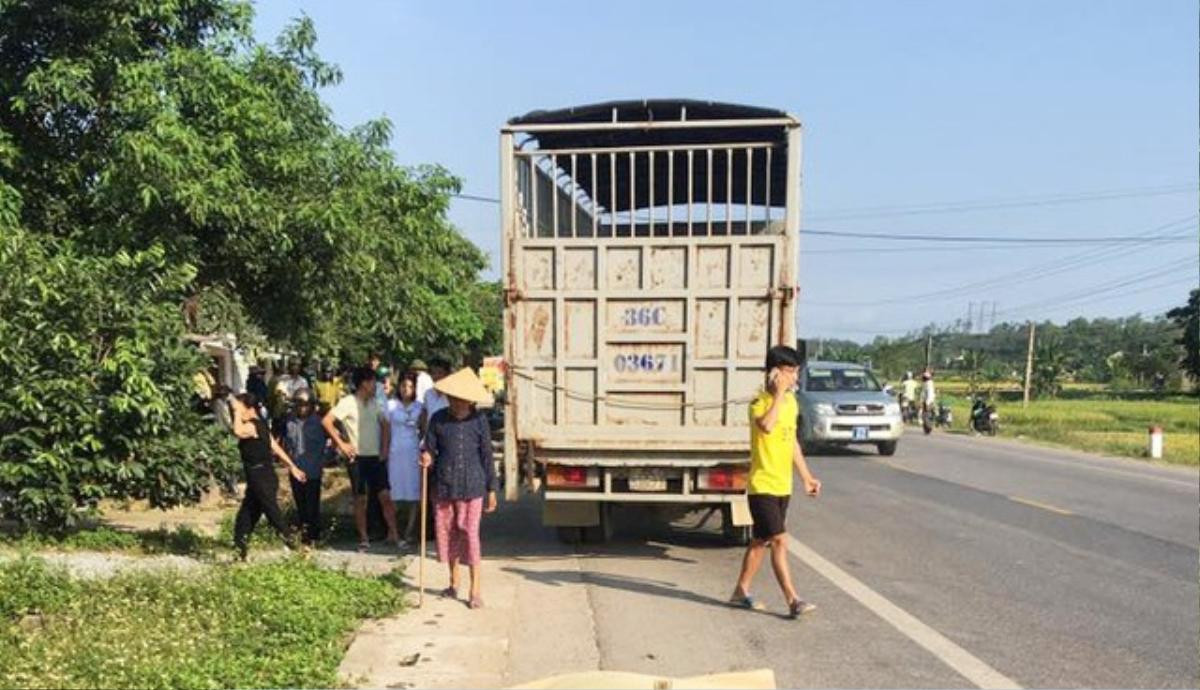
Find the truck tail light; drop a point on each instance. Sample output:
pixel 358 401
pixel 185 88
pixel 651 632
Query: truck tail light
pixel 721 478
pixel 570 476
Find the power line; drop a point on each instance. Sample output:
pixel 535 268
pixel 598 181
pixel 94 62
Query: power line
pixel 1002 203
pixel 1036 272
pixel 1110 239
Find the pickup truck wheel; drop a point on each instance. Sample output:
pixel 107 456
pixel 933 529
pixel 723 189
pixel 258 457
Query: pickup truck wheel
pixel 735 535
pixel 570 535
pixel 886 447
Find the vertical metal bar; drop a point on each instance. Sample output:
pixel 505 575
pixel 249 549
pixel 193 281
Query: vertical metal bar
pixel 632 192
pixel 650 186
pixel 671 193
pixel 612 189
pixel 792 230
pixel 708 194
pixel 574 200
pixel 595 203
pixel 728 192
pixel 749 186
pixel 691 181
pixel 533 200
pixel 767 201
pixel 508 245
pixel 554 194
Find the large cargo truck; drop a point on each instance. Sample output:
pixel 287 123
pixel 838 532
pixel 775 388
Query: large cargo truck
pixel 650 261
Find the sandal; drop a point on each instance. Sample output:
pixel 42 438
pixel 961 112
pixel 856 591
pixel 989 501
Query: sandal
pixel 476 602
pixel 364 546
pixel 746 601
pixel 449 593
pixel 800 607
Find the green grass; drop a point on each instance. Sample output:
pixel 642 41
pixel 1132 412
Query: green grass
pixel 282 624
pixel 1113 427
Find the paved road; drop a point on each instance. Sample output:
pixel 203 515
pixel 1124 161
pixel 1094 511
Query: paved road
pixel 1039 567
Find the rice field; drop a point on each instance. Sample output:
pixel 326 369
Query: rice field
pixel 1111 427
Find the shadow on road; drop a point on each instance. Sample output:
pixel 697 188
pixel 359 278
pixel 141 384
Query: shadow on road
pixel 655 588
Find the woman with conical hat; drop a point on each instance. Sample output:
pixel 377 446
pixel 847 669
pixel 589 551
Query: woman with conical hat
pixel 458 449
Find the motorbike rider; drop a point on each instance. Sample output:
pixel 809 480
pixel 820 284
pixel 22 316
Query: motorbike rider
pixel 908 394
pixel 928 393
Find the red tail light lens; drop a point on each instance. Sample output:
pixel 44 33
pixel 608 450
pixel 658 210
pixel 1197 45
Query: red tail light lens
pixel 567 476
pixel 721 478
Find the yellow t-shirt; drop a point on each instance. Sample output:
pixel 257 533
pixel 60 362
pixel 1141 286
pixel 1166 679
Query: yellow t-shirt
pixel 771 455
pixel 328 392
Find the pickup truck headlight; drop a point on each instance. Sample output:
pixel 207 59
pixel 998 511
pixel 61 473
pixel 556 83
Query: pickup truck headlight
pixel 892 409
pixel 823 410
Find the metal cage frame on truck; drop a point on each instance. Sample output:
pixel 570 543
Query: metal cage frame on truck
pixel 649 260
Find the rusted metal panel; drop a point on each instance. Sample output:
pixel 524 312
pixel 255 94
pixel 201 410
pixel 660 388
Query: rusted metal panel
pixel 640 320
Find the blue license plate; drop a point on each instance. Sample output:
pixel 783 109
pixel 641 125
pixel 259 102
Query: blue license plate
pixel 859 433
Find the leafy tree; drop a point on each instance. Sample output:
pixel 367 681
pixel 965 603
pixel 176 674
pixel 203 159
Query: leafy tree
pixel 95 382
pixel 1187 318
pixel 1049 368
pixel 161 170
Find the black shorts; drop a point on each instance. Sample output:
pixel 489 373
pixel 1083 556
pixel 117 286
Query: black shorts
pixel 769 514
pixel 368 474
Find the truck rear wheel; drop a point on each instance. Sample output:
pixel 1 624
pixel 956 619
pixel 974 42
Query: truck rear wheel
pixel 735 535
pixel 603 532
pixel 570 535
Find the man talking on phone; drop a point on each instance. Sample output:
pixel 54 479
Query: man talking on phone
pixel 774 451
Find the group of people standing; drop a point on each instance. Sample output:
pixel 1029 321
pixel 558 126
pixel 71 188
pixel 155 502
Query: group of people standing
pixel 389 431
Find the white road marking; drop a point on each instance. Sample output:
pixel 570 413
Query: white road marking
pixel 1039 504
pixel 949 653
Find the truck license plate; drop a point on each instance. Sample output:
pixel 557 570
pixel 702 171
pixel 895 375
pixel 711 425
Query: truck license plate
pixel 647 480
pixel 859 433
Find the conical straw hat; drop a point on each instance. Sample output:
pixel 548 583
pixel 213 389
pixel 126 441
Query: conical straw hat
pixel 465 385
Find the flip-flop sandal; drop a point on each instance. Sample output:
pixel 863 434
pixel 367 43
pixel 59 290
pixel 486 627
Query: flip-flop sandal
pixel 449 593
pixel 745 601
pixel 800 607
pixel 476 603
pixel 364 546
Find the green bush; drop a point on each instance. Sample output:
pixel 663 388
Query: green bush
pixel 275 625
pixel 95 383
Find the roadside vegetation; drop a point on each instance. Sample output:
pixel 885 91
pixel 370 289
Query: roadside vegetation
pixel 283 624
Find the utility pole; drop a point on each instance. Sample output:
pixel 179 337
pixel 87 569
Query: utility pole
pixel 970 317
pixel 993 321
pixel 1028 367
pixel 928 349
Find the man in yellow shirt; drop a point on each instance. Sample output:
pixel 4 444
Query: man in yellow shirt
pixel 774 451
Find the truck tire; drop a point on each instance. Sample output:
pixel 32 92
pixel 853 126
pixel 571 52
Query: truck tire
pixel 570 535
pixel 603 532
pixel 735 535
pixel 886 447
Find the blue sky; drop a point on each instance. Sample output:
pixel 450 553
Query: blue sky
pixel 904 104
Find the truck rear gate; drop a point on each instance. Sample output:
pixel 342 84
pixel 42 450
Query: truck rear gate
pixel 649 262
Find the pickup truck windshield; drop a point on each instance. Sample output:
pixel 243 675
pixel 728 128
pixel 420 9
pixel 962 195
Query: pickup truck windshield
pixel 830 379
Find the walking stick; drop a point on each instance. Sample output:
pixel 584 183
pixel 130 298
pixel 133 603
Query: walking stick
pixel 421 556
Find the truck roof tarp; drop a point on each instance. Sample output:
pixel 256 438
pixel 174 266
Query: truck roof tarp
pixel 665 111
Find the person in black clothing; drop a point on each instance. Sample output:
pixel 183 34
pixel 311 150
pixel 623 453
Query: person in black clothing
pixel 256 446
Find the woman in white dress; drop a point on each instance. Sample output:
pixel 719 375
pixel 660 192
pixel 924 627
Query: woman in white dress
pixel 404 414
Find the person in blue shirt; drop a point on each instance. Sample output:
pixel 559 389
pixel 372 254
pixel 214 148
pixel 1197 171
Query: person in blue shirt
pixel 305 440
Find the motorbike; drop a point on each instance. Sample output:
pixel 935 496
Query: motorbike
pixel 944 416
pixel 909 411
pixel 984 418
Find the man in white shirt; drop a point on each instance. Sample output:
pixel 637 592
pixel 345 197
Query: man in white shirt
pixel 434 401
pixel 928 394
pixel 292 381
pixel 364 446
pixel 424 380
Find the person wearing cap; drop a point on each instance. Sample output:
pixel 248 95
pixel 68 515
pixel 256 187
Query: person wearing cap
pixel 433 399
pixel 305 440
pixel 365 425
pixel 420 370
pixel 458 451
